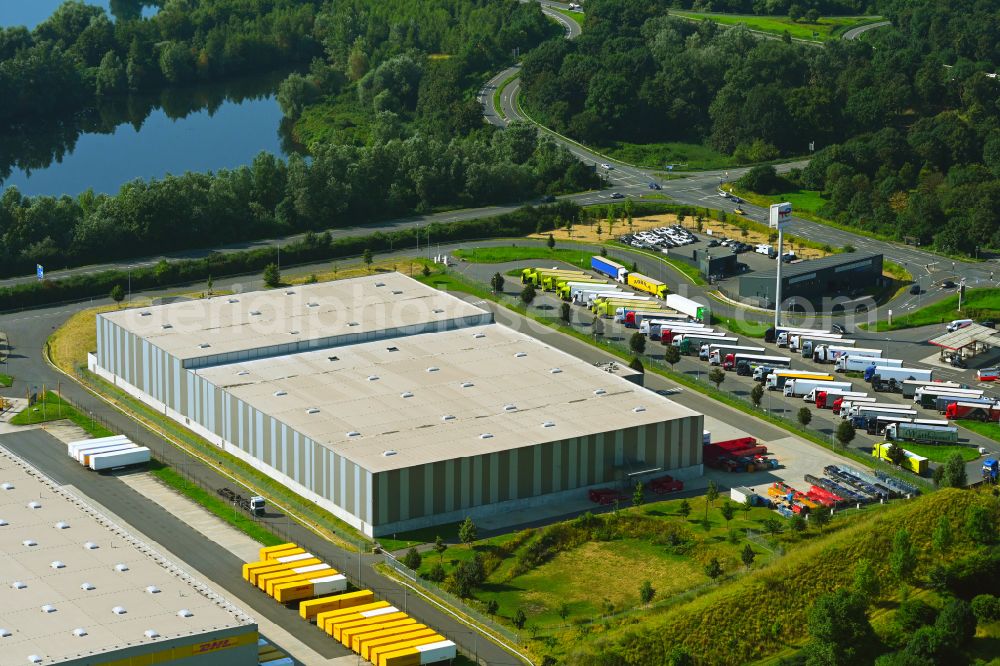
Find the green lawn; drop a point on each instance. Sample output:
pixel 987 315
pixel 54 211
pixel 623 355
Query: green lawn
pixel 825 29
pixel 448 532
pixel 52 408
pixel 5 380
pixel 576 16
pixel 685 156
pixel 687 270
pixel 803 201
pixel 502 254
pixel 991 430
pixel 748 329
pixel 220 508
pixel 983 303
pixel 941 452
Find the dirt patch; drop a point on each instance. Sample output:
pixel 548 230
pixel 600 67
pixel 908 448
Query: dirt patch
pixel 587 233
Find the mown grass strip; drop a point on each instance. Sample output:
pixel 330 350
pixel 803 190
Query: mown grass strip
pixel 497 106
pixel 981 303
pixel 214 505
pixel 51 407
pixel 6 380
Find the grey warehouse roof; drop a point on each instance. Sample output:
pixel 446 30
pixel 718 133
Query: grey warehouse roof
pixel 66 567
pixel 423 398
pixel 227 325
pixel 811 265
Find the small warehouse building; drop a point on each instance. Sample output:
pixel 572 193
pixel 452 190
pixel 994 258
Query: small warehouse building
pixel 813 283
pixel 391 404
pixel 80 590
pixel 716 263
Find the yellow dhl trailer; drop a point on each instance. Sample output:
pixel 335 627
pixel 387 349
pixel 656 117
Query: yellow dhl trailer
pixel 422 653
pixel 378 654
pixel 260 576
pixel 287 592
pixel 340 613
pixel 337 626
pixel 647 284
pixel 348 634
pixel 372 642
pixel 389 631
pixel 271 552
pixel 297 574
pixel 308 610
pixel 250 568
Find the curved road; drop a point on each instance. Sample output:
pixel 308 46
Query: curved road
pixel 854 33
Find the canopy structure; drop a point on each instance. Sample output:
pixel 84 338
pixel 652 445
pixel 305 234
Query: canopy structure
pixel 967 342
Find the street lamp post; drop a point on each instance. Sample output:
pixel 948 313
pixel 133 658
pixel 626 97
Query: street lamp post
pixel 780 214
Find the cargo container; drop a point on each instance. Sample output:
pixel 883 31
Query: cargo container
pixel 914 463
pixel 807 346
pixel 929 393
pixel 582 295
pixel 253 571
pixel 878 425
pixel 612 269
pixel 848 363
pixel 842 405
pixel 281 569
pixel 909 388
pixel 974 411
pixel 876 374
pixel 349 635
pixel 606 307
pixel 288 591
pixel 830 353
pixel 392 638
pixel 539 274
pixel 393 631
pixel 74 447
pixel 335 625
pixel 916 432
pixel 674 325
pixel 776 380
pixel 348 611
pixel 565 288
pixel 550 281
pixel 296 575
pixel 824 399
pixel 717 351
pixel 648 285
pixel 696 340
pixel 786 338
pixel 295 554
pixel 109 462
pixel 309 609
pixel 942 402
pixel 632 316
pixel 416 655
pixel 378 654
pixel 771 335
pixel 625 298
pixel 271 552
pixel 861 415
pixel 801 387
pixel 753 360
pixel 83 455
pixel 693 309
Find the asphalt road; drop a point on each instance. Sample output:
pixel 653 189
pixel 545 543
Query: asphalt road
pixel 854 33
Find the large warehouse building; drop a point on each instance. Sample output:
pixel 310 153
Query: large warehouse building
pixel 79 590
pixel 808 283
pixel 391 404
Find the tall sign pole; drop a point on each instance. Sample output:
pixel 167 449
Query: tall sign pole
pixel 780 215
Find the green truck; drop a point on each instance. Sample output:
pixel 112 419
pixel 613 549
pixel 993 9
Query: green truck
pixel 535 276
pixel 565 286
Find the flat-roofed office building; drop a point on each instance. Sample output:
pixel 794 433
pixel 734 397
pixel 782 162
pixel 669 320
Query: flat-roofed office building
pixel 391 404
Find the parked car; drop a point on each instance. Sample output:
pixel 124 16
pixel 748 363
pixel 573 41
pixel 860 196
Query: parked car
pixel 739 210
pixel 837 328
pixel 713 243
pixel 617 195
pixel 989 323
pixel 915 289
pixel 548 198
pixel 948 284
pixel 723 194
pixel 607 167
pixel 655 186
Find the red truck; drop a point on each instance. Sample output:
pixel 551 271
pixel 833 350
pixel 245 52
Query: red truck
pixel 972 410
pixel 665 484
pixel 605 496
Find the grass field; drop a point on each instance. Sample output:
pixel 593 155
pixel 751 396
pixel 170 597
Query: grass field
pixel 803 201
pixel 941 452
pixel 983 303
pixel 216 506
pixel 991 430
pixel 684 156
pixel 576 16
pixel 52 408
pixel 503 254
pixel 5 380
pixel 749 329
pixel 825 29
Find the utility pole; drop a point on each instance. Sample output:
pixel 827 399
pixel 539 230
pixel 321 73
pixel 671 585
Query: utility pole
pixel 780 214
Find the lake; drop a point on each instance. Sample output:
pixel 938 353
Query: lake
pixel 32 12
pixel 200 128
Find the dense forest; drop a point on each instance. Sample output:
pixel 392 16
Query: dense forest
pixel 410 71
pixel 905 122
pixel 932 173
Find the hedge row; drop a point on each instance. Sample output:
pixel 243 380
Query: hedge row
pixel 312 248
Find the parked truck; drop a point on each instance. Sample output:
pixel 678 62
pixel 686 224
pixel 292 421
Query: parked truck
pixel 717 351
pixel 973 411
pixel 537 275
pixel 991 470
pixel 605 307
pixel 696 343
pixel 860 415
pixel 581 295
pixel 633 315
pixel 605 266
pixel 916 432
pixel 909 387
pixel 843 404
pixel 565 289
pixel 885 378
pixel 772 334
pixel 646 284
pixel 732 361
pixel 824 398
pixel 878 425
pixel 74 447
pixel 787 338
pixel 109 462
pixel 776 380
pixel 830 353
pixel 800 387
pixel 928 397
pixel 693 309
pixel 673 325
pixel 914 463
pixel 807 345
pixel 550 280
pixel 848 363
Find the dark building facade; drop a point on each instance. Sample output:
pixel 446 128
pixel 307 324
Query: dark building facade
pixel 808 283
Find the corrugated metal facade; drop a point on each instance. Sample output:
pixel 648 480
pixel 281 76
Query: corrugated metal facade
pixel 464 482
